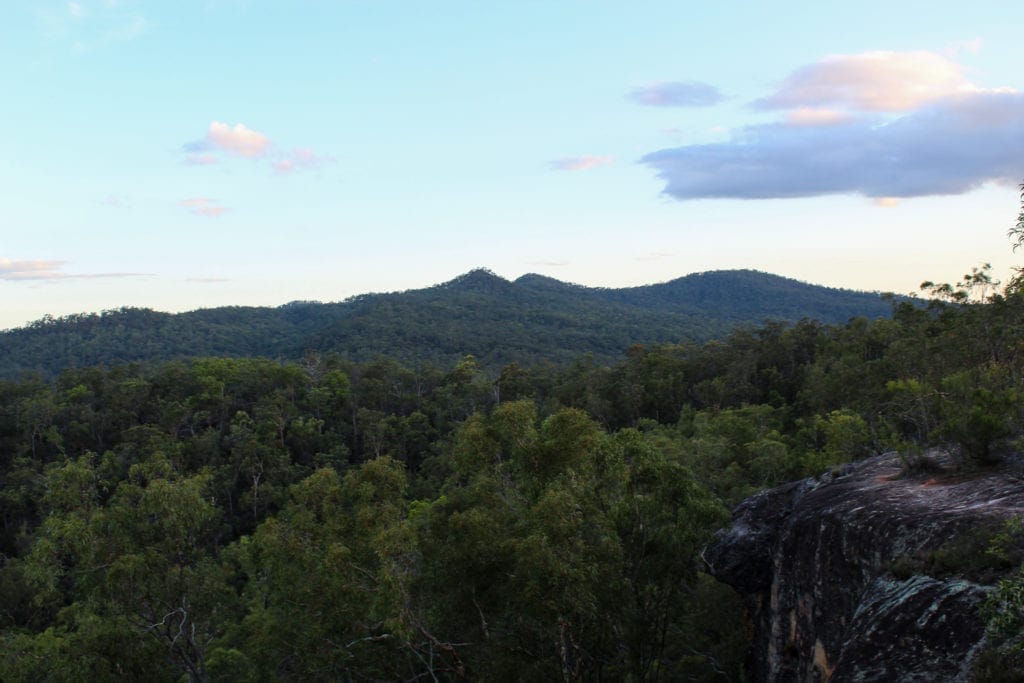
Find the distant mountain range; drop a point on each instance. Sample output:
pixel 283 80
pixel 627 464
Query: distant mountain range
pixel 532 319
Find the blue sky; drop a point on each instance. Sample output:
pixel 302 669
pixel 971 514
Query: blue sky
pixel 195 154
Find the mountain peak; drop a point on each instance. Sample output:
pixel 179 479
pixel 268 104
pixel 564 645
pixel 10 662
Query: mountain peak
pixel 478 279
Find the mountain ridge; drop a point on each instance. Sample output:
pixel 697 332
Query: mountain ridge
pixel 531 319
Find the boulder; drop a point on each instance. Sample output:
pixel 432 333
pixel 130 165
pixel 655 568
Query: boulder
pixel 828 572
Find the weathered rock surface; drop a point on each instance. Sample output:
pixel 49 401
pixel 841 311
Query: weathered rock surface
pixel 813 560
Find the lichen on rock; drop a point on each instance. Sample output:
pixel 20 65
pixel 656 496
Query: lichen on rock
pixel 814 561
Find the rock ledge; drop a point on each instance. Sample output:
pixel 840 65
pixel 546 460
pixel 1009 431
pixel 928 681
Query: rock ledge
pixel 813 560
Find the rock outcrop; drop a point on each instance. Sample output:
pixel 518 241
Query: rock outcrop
pixel 815 563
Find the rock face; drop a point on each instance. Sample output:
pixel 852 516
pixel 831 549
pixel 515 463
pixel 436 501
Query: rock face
pixel 814 562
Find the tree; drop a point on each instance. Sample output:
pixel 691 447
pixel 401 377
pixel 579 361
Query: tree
pixel 134 582
pixel 1016 233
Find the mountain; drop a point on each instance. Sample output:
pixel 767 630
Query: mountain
pixel 529 320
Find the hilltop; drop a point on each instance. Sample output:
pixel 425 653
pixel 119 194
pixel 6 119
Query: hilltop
pixel 529 320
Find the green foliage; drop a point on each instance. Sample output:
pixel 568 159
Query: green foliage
pixel 1016 233
pixel 980 554
pixel 1003 610
pixel 246 519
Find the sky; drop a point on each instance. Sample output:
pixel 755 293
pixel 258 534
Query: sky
pixel 200 153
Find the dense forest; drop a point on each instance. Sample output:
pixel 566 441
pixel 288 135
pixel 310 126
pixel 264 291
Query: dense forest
pixel 530 321
pixel 249 519
pixel 323 519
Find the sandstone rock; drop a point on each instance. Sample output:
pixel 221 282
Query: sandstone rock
pixel 814 562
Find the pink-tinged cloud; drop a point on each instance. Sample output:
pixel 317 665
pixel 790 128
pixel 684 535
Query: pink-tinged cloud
pixel 200 159
pixel 29 270
pixel 42 269
pixel 223 140
pixel 583 163
pixel 881 81
pixel 887 202
pixel 203 206
pixel 237 139
pixel 811 116
pixel 300 159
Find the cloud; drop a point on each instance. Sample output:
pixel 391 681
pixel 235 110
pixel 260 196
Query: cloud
pixel 676 94
pixel 887 202
pixel 207 280
pixel 580 163
pixel 883 124
pixel 950 146
pixel 201 159
pixel 203 206
pixel 42 269
pixel 300 159
pixel 810 116
pixel 551 264
pixel 880 81
pixel 237 139
pixel 29 270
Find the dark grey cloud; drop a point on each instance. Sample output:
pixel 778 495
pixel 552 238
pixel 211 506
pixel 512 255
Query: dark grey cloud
pixel 677 94
pixel 949 147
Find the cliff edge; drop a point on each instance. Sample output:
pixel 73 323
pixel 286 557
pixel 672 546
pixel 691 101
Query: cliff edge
pixel 840 578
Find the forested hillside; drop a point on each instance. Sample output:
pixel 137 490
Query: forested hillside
pixel 532 320
pixel 324 519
